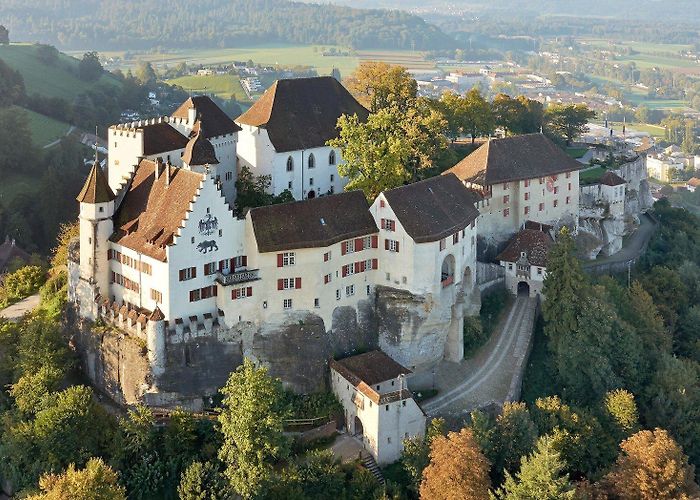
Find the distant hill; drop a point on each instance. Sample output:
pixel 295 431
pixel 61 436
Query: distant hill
pixel 132 24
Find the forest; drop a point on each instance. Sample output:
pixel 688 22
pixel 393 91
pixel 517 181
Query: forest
pixel 129 24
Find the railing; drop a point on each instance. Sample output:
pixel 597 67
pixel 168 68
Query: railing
pixel 237 277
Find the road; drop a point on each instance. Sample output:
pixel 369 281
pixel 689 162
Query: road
pixel 632 247
pixel 493 374
pixel 17 310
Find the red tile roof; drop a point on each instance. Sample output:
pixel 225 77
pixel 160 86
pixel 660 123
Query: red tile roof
pixel 612 179
pixel 535 244
pixel 371 368
pixel 199 151
pixel 215 121
pixel 160 138
pixel 515 158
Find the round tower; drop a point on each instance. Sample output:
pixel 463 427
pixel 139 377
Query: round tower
pixel 96 226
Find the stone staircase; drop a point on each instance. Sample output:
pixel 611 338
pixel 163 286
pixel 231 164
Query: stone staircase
pixel 370 464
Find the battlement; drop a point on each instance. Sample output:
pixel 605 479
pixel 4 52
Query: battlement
pixel 131 320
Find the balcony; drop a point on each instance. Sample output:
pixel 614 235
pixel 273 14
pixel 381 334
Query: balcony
pixel 238 277
pixel 447 281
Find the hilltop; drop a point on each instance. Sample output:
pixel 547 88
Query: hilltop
pixel 129 24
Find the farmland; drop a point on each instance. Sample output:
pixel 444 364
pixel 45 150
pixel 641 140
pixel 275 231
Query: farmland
pixel 44 129
pixel 223 86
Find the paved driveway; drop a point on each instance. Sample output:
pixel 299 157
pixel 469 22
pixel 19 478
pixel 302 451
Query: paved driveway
pixel 16 311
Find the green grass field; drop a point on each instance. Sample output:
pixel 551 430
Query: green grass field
pixel 591 176
pixel 45 129
pixel 223 86
pixel 59 80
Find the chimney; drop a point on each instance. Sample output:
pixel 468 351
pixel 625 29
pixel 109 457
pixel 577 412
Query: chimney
pixel 159 166
pixel 167 174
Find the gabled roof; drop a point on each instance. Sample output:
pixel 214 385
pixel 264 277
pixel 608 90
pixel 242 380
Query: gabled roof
pixel 9 251
pixel 302 113
pixel 612 179
pixel 96 188
pixel 318 222
pixel 152 211
pixel 693 182
pixel 515 158
pixel 215 121
pixel 372 368
pixel 160 138
pixel 536 245
pixel 435 208
pixel 199 151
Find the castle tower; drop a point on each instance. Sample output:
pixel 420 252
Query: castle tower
pixel 96 226
pixel 155 341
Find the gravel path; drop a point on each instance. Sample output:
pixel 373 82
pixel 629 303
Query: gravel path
pixel 17 310
pixel 493 374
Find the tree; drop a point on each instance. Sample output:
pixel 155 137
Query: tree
pixel 12 90
pixel 4 35
pixel 509 113
pixel 457 469
pixel 541 476
pixel 568 121
pixel 90 68
pixel 145 73
pixel 252 425
pixel 24 282
pixel 314 476
pixel 651 466
pixel 669 293
pixel 688 144
pixel 513 437
pixel 203 481
pixel 416 453
pixel 48 54
pixel 379 85
pixel 97 481
pixel 31 392
pixel 254 191
pixel 478 116
pixel 564 288
pixel 621 410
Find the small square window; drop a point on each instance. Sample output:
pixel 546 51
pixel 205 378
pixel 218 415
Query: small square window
pixel 287 304
pixel 388 276
pixel 101 209
pixel 289 185
pixel 192 240
pixel 317 303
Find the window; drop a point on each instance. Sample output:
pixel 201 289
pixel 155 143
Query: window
pixel 382 203
pixel 192 240
pixel 146 268
pixel 506 212
pixel 289 185
pixel 464 231
pixel 369 290
pixel 241 293
pixel 569 186
pixel 527 210
pixel 317 303
pixel 506 185
pixel 290 164
pixel 348 269
pixel 555 203
pixel 156 296
pixel 350 290
pixel 527 196
pixel 389 224
pixel 455 238
pixel 541 206
pixel 327 279
pixel 349 246
pixel 331 158
pixel 367 242
pixel 228 176
pixel 332 177
pixel 209 291
pixel 539 271
pixel 506 199
pixel 510 266
pixel 311 161
pixel 391 245
pixel 556 189
pixel 311 181
pixel 337 295
pixel 541 180
pixel 195 295
pixel 240 261
pixel 188 273
pixel 286 259
pixel 221 233
pixel 209 269
pixel 388 276
pixel 527 182
pixel 387 409
pixel 326 256
pixel 102 209
pixel 568 175
pixel 568 200
pixel 288 283
pixel 442 244
pixel 287 304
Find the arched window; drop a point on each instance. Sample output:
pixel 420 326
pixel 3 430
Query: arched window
pixel 331 158
pixel 312 161
pixel 290 164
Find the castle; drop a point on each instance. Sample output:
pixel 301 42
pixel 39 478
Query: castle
pixel 174 285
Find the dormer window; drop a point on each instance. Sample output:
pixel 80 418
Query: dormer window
pixel 312 161
pixel 523 255
pixel 331 158
pixel 290 164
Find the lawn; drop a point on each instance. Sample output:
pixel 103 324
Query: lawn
pixel 576 152
pixel 591 175
pixel 45 129
pixel 224 86
pixel 59 80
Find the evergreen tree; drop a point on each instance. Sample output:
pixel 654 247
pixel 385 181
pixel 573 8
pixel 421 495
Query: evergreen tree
pixel 203 481
pixel 541 476
pixel 252 425
pixel 564 288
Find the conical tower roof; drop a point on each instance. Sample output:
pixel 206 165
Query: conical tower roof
pixel 96 188
pixel 199 151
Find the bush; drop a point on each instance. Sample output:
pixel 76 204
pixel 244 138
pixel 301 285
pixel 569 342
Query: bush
pixel 23 283
pixel 474 334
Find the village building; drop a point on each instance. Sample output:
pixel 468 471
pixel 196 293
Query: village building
pixel 607 192
pixel 525 259
pixel 284 135
pixel 378 407
pixel 521 178
pixel 12 256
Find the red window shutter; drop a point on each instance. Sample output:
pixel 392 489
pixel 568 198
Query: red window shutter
pixel 375 264
pixel 397 246
pixel 249 291
pixel 221 265
pixel 297 283
pixel 359 244
pixel 343 248
pixel 194 272
pixel 233 294
pixel 280 284
pixel 383 223
pixel 325 257
pixel 325 279
pixel 345 271
pixel 386 244
pixel 244 261
pixel 375 241
pixel 182 275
